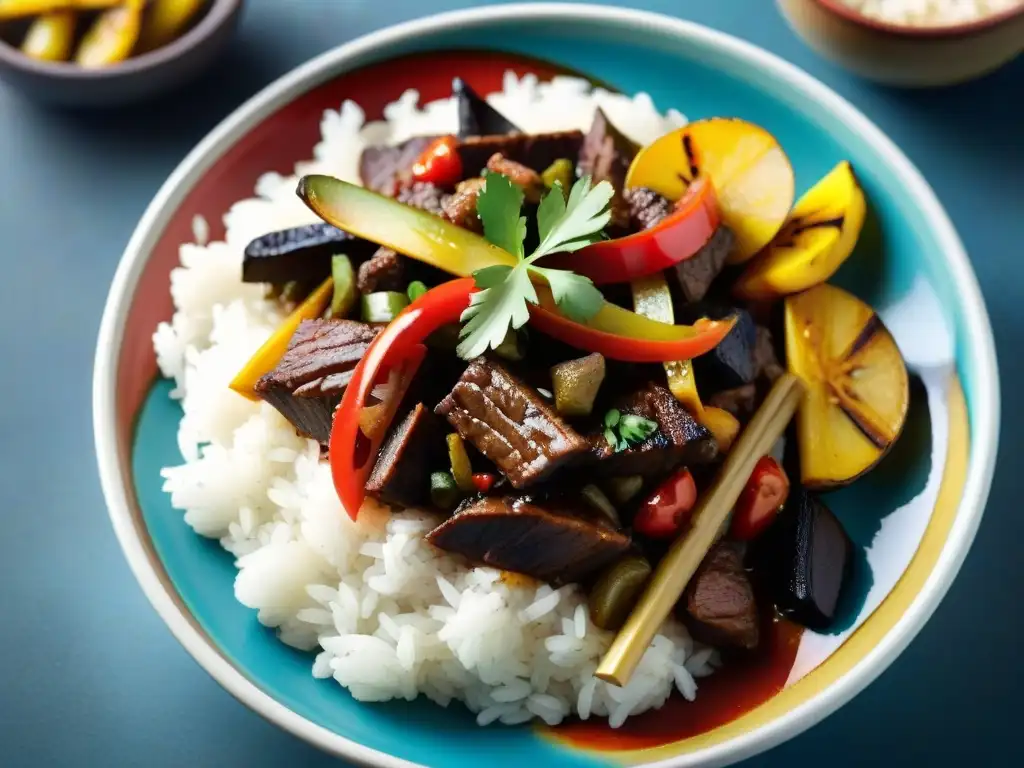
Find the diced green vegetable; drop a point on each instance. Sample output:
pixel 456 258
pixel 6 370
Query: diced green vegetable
pixel 462 470
pixel 345 293
pixel 416 289
pixel 576 383
pixel 383 306
pixel 560 171
pixel 636 429
pixel 443 490
pixel 622 489
pixel 617 590
pixel 511 348
pixel 595 497
pixel 611 419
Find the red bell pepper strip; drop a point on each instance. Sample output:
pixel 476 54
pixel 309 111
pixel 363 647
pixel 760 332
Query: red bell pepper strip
pixel 760 501
pixel 399 346
pixel 439 163
pixel 666 511
pixel 619 334
pixel 677 237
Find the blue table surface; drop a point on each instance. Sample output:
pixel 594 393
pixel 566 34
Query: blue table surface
pixel 92 677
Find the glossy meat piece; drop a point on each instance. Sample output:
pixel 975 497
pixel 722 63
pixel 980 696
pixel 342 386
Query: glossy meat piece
pixel 386 169
pixel 526 178
pixel 537 151
pixel 741 402
pixel 766 362
pixel 806 560
pixel 460 208
pixel 510 424
pixel 307 384
pixel 720 605
pixel 678 440
pixel 605 155
pixel 555 542
pixel 476 116
pixel 383 272
pixel 646 207
pixel 695 275
pixel 423 195
pixel 401 475
pixel 301 254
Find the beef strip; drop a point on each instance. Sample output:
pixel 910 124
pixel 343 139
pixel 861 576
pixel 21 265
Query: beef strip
pixel 558 543
pixel 425 196
pixel 383 272
pixel 605 155
pixel 386 169
pixel 307 384
pixel 678 440
pixel 526 178
pixel 720 605
pixel 646 207
pixel 765 360
pixel 401 475
pixel 460 208
pixel 695 274
pixel 509 423
pixel 537 151
pixel 741 402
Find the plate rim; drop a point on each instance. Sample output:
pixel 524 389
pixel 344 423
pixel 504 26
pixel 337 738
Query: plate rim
pixel 332 63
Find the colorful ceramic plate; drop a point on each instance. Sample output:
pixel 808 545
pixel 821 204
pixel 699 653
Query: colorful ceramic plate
pixel 913 518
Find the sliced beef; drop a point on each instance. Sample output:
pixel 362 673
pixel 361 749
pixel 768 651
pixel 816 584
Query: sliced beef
pixel 476 116
pixel 766 362
pixel 401 475
pixel 301 254
pixel 510 423
pixel 695 275
pixel 425 196
pixel 741 402
pixel 678 440
pixel 526 178
pixel 720 605
pixel 385 169
pixel 558 542
pixel 460 208
pixel 646 207
pixel 605 155
pixel 383 272
pixel 307 384
pixel 537 151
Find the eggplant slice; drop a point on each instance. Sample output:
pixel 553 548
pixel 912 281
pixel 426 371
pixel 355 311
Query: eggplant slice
pixel 476 116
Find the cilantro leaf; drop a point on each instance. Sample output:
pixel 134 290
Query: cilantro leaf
pixel 576 225
pixel 489 277
pixel 493 310
pixel 498 206
pixel 575 295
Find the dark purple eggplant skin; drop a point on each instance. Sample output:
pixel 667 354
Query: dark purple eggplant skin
pixel 559 542
pixel 300 254
pixel 805 560
pixel 476 116
pixel 733 362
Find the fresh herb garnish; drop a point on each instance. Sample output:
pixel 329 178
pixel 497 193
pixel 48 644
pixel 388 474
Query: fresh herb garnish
pixel 622 430
pixel 564 226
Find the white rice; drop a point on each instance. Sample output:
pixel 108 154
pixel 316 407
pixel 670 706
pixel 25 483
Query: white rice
pixel 389 616
pixel 930 12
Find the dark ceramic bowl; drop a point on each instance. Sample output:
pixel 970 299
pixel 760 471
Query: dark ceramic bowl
pixel 66 84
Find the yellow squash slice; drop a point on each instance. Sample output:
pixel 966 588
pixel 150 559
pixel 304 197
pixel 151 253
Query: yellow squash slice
pixel 857 389
pixel 751 173
pixel 820 234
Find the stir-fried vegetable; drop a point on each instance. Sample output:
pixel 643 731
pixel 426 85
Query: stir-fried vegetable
pixel 679 236
pixel 165 20
pixel 382 306
pixel 559 172
pixel 50 37
pixel 652 298
pixel 439 163
pixel 462 469
pixel 762 498
pixel 576 384
pixel 415 290
pixel 622 489
pixel 616 591
pixel 666 511
pixel 443 490
pixel 595 497
pixel 723 425
pixel 19 9
pixel 345 292
pixel 268 355
pixel 112 36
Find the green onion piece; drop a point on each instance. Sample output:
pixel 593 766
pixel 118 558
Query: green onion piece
pixel 416 289
pixel 595 497
pixel 383 306
pixel 444 493
pixel 635 429
pixel 559 171
pixel 345 294
pixel 609 435
pixel 510 348
pixel 611 418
